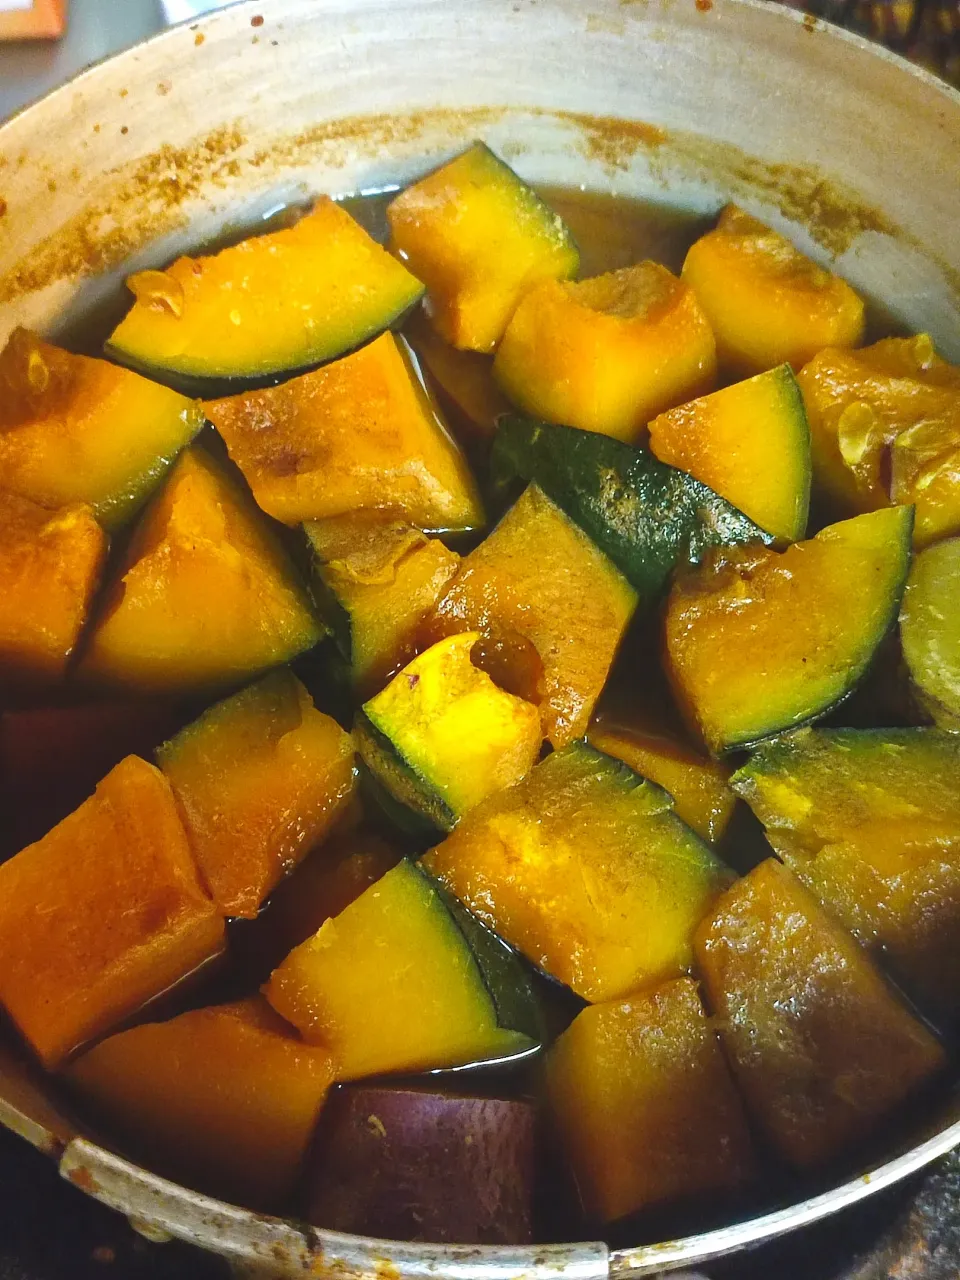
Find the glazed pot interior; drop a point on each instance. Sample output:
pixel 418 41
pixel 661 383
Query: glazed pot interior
pixel 842 146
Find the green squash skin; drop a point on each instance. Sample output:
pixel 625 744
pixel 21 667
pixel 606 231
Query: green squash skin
pixel 648 517
pixel 395 776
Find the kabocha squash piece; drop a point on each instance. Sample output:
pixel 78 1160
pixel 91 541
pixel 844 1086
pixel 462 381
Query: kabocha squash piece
pixel 750 443
pixel 271 304
pixel 767 303
pixel 478 238
pixel 320 887
pixel 260 779
pixel 464 378
pixel 930 631
pixel 646 516
pixel 358 433
pixel 538 582
pixel 442 736
pixel 885 426
pixel 50 567
pixel 380 577
pixel 607 354
pixel 870 822
pixel 398 982
pixel 407 1164
pixel 645 1105
pixel 584 869
pixel 74 429
pixel 699 786
pixel 224 1098
pixel 102 914
pixel 206 597
pixel 759 641
pixel 821 1048
pixel 51 759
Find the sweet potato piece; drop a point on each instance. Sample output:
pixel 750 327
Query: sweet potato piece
pixel 645 1103
pixel 102 914
pixel 407 1164
pixel 260 778
pixel 207 596
pixel 224 1098
pixel 538 580
pixel 50 566
pixel 820 1046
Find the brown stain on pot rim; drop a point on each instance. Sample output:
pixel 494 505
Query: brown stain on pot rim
pixel 146 199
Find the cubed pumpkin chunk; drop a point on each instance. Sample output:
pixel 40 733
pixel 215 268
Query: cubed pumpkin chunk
pixel 645 1105
pixel 821 1048
pixel 885 427
pixel 584 869
pixel 394 983
pixel 768 304
pixel 102 914
pixel 607 354
pixel 358 433
pixel 320 887
pixel 382 576
pixel 51 759
pixel 538 582
pixel 74 429
pixel 701 795
pixel 463 379
pixel 758 641
pixel 50 566
pixel 442 736
pixel 270 304
pixel 870 822
pixel 260 778
pixel 224 1099
pixel 930 631
pixel 478 238
pixel 206 597
pixel 750 443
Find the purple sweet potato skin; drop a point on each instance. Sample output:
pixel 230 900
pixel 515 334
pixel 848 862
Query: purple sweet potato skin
pixel 406 1164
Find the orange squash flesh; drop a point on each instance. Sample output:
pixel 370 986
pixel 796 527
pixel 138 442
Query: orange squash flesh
pixel 206 597
pixel 584 869
pixel 821 1048
pixel 260 779
pixel 609 353
pixel 279 301
pixel 701 795
pixel 478 238
pixel 358 433
pixel 538 582
pixel 102 914
pixel 384 576
pixel 50 566
pixel 464 378
pixel 645 1104
pixel 391 985
pixel 74 429
pixel 224 1099
pixel 758 641
pixel 751 444
pixel 767 303
pixel 885 427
